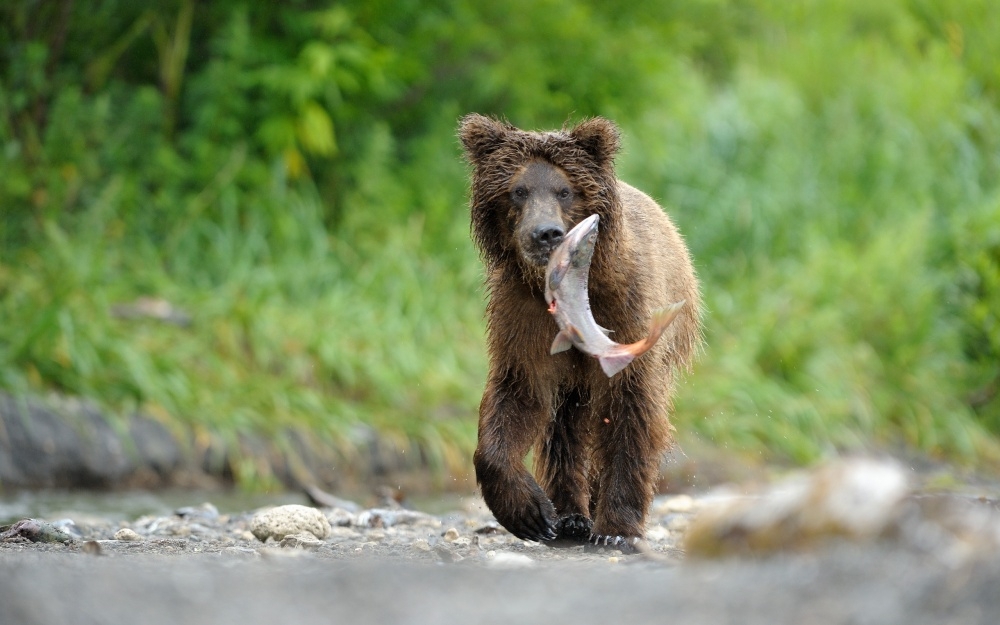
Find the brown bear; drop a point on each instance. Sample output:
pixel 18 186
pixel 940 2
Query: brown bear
pixel 597 441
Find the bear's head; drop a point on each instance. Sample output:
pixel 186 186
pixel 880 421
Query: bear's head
pixel 530 188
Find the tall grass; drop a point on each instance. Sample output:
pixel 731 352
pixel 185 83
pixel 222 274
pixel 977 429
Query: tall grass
pixel 295 335
pixel 826 217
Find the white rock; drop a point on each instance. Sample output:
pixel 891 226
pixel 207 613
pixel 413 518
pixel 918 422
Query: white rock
pixel 283 521
pixel 421 544
pixel 508 560
pixel 451 535
pixel 677 503
pixel 127 534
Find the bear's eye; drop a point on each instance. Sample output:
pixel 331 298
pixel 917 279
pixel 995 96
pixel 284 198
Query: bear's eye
pixel 563 193
pixel 520 193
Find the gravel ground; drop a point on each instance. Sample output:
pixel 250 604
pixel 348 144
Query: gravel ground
pixel 401 566
pixel 349 533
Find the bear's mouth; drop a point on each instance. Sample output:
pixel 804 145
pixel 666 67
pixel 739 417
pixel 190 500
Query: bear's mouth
pixel 537 256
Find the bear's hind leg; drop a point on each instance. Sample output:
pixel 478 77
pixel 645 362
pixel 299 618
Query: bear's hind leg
pixel 562 465
pixel 632 436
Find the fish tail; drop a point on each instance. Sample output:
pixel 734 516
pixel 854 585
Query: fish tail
pixel 616 359
pixel 660 322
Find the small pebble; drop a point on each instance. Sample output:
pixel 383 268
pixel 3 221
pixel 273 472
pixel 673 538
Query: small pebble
pixel 277 553
pixel 490 528
pixel 204 511
pixel 447 554
pixel 339 517
pixel 304 540
pixel 127 535
pixel 508 560
pixel 421 544
pixel 242 552
pixel 382 517
pixel 451 535
pixel 677 503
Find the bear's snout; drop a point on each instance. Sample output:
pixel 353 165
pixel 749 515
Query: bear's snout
pixel 548 235
pixel 538 238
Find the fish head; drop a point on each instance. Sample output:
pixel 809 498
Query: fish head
pixel 581 240
pixel 576 250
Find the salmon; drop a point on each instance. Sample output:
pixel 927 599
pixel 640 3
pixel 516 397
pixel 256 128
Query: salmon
pixel 566 293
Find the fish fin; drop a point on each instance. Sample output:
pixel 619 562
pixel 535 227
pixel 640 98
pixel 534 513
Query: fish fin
pixel 615 360
pixel 606 331
pixel 557 273
pixel 564 340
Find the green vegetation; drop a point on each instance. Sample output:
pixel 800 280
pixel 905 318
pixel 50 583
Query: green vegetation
pixel 287 175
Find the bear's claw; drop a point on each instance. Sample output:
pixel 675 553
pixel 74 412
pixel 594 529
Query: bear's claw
pixel 538 523
pixel 575 527
pixel 572 530
pixel 625 544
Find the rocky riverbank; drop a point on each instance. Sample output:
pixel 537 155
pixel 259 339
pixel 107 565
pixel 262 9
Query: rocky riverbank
pixel 345 531
pixel 855 541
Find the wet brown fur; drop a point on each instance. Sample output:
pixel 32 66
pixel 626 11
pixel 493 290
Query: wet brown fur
pixel 597 441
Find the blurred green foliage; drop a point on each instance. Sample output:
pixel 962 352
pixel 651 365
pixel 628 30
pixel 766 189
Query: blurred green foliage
pixel 287 175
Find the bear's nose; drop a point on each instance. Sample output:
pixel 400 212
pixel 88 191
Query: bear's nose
pixel 548 235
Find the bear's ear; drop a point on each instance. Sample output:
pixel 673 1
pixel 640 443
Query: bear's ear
pixel 481 136
pixel 599 137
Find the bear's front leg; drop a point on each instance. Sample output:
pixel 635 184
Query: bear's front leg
pixel 510 420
